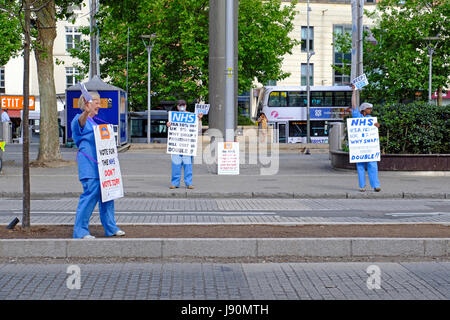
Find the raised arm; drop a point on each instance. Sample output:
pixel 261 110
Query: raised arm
pixel 354 106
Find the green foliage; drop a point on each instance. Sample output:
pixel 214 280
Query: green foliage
pixel 244 121
pixel 10 33
pixel 397 66
pixel 416 128
pixel 180 56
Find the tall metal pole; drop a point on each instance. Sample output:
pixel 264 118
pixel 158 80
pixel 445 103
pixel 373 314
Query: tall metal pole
pixel 430 52
pixel 357 42
pixel 230 72
pixel 93 68
pixel 149 101
pixel 308 122
pixel 25 125
pixel 128 55
pixel 97 39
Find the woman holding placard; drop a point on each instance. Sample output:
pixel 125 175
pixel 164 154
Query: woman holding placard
pixel 83 135
pixel 365 110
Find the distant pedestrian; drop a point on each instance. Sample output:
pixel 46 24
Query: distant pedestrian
pixel 180 161
pixel 5 116
pixel 262 127
pixel 365 110
pixel 83 135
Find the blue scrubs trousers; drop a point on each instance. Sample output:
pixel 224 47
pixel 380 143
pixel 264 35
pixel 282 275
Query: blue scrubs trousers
pixel 372 171
pixel 88 200
pixel 178 162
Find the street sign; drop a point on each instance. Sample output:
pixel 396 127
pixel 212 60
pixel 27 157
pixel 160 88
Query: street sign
pixel 15 102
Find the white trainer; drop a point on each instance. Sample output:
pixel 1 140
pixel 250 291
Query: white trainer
pixel 88 236
pixel 119 233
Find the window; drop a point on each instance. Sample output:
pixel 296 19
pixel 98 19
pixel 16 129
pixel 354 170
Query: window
pixel 297 98
pixel 305 37
pixel 311 74
pixel 71 74
pixel 317 99
pixel 342 99
pixel 340 58
pixel 319 128
pixel 297 128
pixel 2 79
pixel 271 83
pixel 73 38
pixel 278 99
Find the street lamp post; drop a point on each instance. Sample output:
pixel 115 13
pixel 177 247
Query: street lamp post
pixel 308 89
pixel 148 43
pixel 430 53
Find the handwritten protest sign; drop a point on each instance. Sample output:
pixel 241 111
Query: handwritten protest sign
pixel 108 163
pixel 201 108
pixel 360 81
pixel 363 139
pixel 228 158
pixel 182 133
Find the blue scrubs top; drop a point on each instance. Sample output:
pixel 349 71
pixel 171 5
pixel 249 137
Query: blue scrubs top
pixel 85 140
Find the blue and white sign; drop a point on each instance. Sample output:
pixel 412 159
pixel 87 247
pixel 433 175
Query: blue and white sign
pixel 360 81
pixel 326 113
pixel 202 108
pixel 363 139
pixel 182 134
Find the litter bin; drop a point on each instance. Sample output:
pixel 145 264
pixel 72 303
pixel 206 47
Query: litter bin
pixel 336 136
pixel 6 132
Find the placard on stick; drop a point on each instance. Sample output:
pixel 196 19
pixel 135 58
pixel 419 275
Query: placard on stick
pixel 108 163
pixel 360 81
pixel 202 108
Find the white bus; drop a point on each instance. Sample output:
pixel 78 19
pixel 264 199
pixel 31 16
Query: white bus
pixel 285 109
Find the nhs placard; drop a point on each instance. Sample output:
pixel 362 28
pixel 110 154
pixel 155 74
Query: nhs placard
pixel 363 139
pixel 182 133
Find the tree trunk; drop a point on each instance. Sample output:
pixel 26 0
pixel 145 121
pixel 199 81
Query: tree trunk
pixel 49 131
pixel 439 97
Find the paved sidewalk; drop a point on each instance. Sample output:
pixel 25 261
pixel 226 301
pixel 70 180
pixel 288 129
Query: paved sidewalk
pixel 146 173
pixel 269 281
pixel 241 211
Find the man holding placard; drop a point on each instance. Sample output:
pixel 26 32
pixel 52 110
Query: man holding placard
pixel 365 134
pixel 182 143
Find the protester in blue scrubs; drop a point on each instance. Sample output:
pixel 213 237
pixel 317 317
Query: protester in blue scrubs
pixel 83 135
pixel 182 161
pixel 365 110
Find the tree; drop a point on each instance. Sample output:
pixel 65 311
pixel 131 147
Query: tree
pixel 43 15
pixel 179 65
pixel 397 65
pixel 46 14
